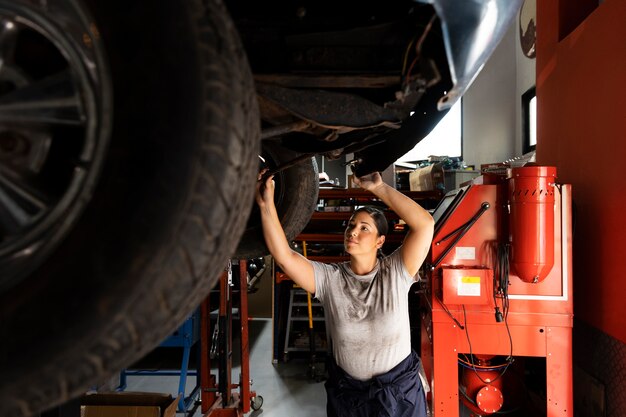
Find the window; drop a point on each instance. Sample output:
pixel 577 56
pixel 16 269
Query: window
pixel 529 114
pixel 444 140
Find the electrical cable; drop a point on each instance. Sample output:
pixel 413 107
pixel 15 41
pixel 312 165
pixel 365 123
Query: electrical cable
pixel 474 368
pixel 504 271
pixel 418 46
pixel 406 56
pixel 466 363
pixel 445 308
pixel 501 278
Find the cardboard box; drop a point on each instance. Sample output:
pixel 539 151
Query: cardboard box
pixel 128 404
pixel 455 178
pixel 427 179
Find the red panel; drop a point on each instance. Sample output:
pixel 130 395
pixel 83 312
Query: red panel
pixel 474 248
pixel 581 97
pixel 466 285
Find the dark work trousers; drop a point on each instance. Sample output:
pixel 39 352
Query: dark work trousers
pixel 397 393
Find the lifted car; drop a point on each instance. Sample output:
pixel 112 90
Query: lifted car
pixel 130 136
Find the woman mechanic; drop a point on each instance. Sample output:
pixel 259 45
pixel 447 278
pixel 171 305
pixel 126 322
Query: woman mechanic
pixel 374 371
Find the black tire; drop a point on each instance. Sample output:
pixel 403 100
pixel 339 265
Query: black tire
pixel 296 194
pixel 141 243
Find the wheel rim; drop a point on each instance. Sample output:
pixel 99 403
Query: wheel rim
pixel 53 128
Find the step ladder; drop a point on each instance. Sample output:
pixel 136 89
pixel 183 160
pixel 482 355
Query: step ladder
pixel 297 324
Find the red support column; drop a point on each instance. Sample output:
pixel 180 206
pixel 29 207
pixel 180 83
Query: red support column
pixel 445 373
pixel 244 383
pixel 225 350
pixel 559 374
pixel 228 404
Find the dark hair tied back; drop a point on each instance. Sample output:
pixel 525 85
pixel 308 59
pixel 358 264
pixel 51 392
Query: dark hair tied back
pixel 379 218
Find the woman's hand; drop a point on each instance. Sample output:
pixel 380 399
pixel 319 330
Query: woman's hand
pixel 370 182
pixel 264 189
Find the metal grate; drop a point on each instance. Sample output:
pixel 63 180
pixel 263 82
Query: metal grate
pixel 604 359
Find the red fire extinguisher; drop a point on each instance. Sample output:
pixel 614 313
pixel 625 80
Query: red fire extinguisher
pixel 531 198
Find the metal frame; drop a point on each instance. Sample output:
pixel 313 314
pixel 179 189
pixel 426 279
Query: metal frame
pixel 217 397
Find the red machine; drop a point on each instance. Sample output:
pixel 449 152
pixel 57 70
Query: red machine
pixel 497 332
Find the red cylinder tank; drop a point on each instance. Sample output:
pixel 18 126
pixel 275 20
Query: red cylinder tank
pixel 483 391
pixel 531 198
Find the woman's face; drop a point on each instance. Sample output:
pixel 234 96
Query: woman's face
pixel 361 235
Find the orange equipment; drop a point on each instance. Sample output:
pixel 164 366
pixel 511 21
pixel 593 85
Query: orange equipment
pixel 492 326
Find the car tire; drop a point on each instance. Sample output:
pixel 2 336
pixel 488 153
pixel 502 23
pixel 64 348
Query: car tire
pixel 295 196
pixel 166 195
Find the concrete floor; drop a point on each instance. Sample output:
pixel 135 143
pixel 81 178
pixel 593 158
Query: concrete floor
pixel 286 389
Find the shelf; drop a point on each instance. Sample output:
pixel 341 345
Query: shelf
pixel 361 193
pixel 331 215
pixel 335 237
pixel 320 237
pixel 345 215
pixel 321 228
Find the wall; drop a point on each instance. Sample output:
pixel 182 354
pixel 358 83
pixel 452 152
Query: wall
pixel 581 111
pixel 489 107
pixel 525 69
pixel 492 106
pixel 335 168
pixel 581 129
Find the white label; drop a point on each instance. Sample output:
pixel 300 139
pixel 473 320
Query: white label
pixel 466 252
pixel 468 286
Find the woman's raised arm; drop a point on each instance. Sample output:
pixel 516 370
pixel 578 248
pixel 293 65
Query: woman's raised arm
pixel 421 224
pixel 296 266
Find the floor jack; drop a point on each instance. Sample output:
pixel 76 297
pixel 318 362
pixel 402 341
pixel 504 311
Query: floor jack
pixel 217 397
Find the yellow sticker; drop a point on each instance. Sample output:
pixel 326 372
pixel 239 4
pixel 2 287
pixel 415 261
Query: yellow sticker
pixel 469 286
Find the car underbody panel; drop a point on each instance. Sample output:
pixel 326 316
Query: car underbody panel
pixel 335 78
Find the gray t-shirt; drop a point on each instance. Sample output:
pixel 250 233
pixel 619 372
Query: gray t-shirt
pixel 367 315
